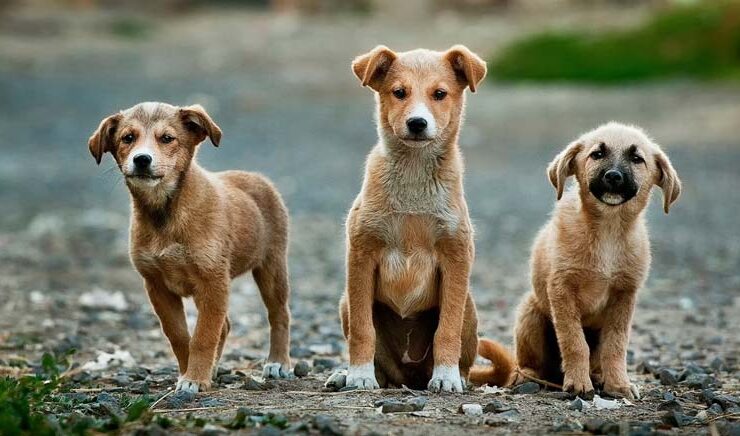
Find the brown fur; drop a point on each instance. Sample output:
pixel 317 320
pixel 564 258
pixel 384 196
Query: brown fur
pixel 193 231
pixel 409 236
pixel 588 262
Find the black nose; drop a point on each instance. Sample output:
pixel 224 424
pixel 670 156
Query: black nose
pixel 416 125
pixel 142 161
pixel 613 178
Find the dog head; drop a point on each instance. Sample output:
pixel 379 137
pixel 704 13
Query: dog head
pixel 153 143
pixel 615 166
pixel 420 93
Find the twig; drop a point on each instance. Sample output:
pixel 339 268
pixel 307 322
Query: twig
pixel 94 390
pixel 166 394
pixel 726 415
pixel 540 381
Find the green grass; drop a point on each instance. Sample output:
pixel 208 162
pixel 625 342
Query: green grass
pixel 701 41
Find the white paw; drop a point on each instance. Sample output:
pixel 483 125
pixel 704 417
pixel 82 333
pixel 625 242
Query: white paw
pixel 362 377
pixel 446 378
pixel 274 370
pixel 184 384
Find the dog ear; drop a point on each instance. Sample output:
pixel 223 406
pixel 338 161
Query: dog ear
pixel 469 68
pixel 101 140
pixel 198 121
pixel 668 180
pixel 562 167
pixel 371 67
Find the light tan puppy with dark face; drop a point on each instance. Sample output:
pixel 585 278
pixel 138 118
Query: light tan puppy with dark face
pixel 590 259
pixel 192 231
pixel 407 312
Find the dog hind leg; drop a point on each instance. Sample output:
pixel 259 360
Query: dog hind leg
pixel 272 281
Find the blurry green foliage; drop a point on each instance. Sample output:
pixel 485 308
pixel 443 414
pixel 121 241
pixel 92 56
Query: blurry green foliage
pixel 130 28
pixel 700 41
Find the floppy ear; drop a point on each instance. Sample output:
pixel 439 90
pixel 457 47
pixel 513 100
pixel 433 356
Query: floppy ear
pixel 101 140
pixel 468 67
pixel 667 180
pixel 371 67
pixel 198 121
pixel 563 167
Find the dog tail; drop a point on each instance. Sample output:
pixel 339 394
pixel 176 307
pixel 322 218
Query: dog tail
pixel 502 368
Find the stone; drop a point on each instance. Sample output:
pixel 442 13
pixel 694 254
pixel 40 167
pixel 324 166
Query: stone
pixel 561 395
pixel 250 384
pixel 699 381
pixel 526 388
pixel 302 368
pixel 578 404
pixel 677 419
pixel 496 406
pixel 139 387
pixel 326 425
pixel 668 377
pixel 472 409
pixel 671 405
pixel 324 364
pixel 179 399
pixel 568 425
pixel 414 404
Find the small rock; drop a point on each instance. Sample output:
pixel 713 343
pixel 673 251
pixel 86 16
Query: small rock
pixel 702 416
pixel 297 427
pixel 398 406
pixel 689 370
pixel 502 418
pixel 526 388
pixel 708 396
pixel 109 403
pixel 212 402
pixel 668 396
pixel 212 430
pixel 269 431
pixel 326 425
pixel 726 401
pixel 496 406
pixel 179 399
pixel 668 377
pixel 250 384
pixel 670 406
pixel 699 381
pixel 473 409
pixel 561 395
pixel 228 379
pixel 302 368
pixel 139 387
pixel 568 425
pixel 324 364
pixel 122 380
pixel 717 364
pixel 677 419
pixel 594 425
pixel 715 409
pixel 578 404
pixel 348 388
pixel 646 367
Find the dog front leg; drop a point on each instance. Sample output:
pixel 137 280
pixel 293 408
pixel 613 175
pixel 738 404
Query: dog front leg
pixel 566 318
pixel 171 313
pixel 613 342
pixel 360 296
pixel 212 305
pixel 455 275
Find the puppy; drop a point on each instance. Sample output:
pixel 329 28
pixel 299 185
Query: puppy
pixel 192 231
pixel 589 261
pixel 407 312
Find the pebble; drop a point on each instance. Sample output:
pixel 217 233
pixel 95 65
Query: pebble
pixel 302 368
pixel 109 403
pixel 646 367
pixel 212 402
pixel 503 418
pixel 326 425
pixel 324 364
pixel 668 377
pixel 336 382
pixel 211 429
pixel 179 399
pixel 671 405
pixel 398 406
pixel 577 404
pixel 568 425
pixel 139 387
pixel 496 406
pixel 526 388
pixel 227 379
pixel 122 380
pixel 250 384
pixel 594 425
pixel 677 419
pixel 561 395
pixel 699 381
pixel 269 431
pixel 717 364
pixel 669 396
pixel 473 409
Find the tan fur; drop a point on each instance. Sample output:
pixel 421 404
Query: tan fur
pixel 407 305
pixel 193 231
pixel 588 262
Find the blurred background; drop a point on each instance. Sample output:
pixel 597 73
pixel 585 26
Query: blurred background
pixel 275 76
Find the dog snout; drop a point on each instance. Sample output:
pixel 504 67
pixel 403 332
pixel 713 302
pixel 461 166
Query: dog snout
pixel 416 125
pixel 142 161
pixel 614 178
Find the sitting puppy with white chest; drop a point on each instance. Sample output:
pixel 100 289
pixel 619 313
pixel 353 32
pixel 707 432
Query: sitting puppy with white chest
pixel 192 231
pixel 590 260
pixel 407 312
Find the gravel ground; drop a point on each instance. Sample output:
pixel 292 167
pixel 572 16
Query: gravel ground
pixel 281 89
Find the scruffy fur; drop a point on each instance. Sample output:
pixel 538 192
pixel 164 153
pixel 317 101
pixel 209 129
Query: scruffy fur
pixel 407 312
pixel 192 231
pixel 589 261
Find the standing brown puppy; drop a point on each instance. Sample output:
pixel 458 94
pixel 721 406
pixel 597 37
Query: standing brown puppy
pixel 590 259
pixel 407 312
pixel 192 231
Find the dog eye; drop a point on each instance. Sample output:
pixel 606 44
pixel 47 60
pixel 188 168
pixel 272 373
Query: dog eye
pixel 637 159
pixel 128 139
pixel 596 155
pixel 166 139
pixel 399 93
pixel 440 94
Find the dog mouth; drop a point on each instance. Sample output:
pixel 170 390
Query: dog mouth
pixel 612 197
pixel 416 141
pixel 143 176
